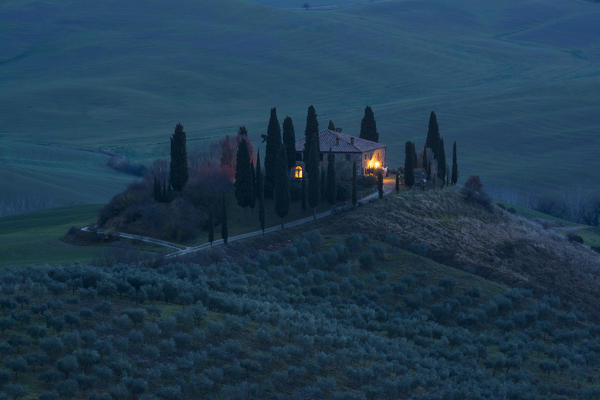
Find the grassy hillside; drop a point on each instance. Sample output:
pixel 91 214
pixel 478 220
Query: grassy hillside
pixel 496 245
pixel 513 82
pixel 35 238
pixel 328 317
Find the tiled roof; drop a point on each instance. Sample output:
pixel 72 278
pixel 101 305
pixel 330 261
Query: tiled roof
pixel 339 142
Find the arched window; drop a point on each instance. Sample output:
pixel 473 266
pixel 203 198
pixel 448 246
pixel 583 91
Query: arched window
pixel 298 172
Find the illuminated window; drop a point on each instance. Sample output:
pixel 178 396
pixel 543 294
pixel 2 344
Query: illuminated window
pixel 298 172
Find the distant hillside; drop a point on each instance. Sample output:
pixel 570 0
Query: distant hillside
pixel 513 82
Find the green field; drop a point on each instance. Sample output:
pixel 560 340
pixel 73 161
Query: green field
pixel 35 238
pixel 514 82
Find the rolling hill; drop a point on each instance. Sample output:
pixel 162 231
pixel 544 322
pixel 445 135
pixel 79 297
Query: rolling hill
pixel 514 82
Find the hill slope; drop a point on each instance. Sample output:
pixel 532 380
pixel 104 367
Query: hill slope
pixel 497 245
pixel 514 82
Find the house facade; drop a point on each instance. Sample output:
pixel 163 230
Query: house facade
pixel 369 156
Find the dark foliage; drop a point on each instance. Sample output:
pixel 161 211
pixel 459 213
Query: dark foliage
pixel 179 163
pixel 272 153
pixel 368 126
pixel 260 192
pixel 331 189
pixel 473 192
pixel 282 185
pixel 354 194
pixel 289 142
pixel 244 183
pixel 454 178
pixel 409 175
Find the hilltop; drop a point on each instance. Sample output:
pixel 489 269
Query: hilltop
pixel 115 75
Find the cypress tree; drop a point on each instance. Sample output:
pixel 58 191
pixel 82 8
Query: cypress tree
pixel 414 156
pixel 331 126
pixel 331 181
pixel 311 134
pixel 178 175
pixel 260 193
pixel 354 195
pixel 454 178
pixel 433 135
pixel 323 184
pixel 243 176
pixel 289 141
pixel 273 145
pixel 441 160
pixel 224 227
pixel 211 227
pixel 303 185
pixel 409 174
pixel 397 182
pixel 380 185
pixel 368 126
pixel 312 154
pixel 252 186
pixel 282 186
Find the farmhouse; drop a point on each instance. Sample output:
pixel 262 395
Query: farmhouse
pixel 369 156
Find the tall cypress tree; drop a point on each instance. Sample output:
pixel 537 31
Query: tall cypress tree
pixel 354 195
pixel 331 126
pixel 178 175
pixel 303 186
pixel 331 181
pixel 441 160
pixel 252 186
pixel 260 193
pixel 454 178
pixel 311 134
pixel 211 227
pixel 380 185
pixel 273 145
pixel 323 183
pixel 243 176
pixel 289 141
pixel 224 226
pixel 282 186
pixel 433 135
pixel 409 174
pixel 312 155
pixel 368 126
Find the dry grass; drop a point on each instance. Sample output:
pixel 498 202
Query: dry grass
pixel 495 245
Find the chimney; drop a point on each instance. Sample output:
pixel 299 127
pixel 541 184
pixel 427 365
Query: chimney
pixel 338 129
pixel 337 140
pixel 352 140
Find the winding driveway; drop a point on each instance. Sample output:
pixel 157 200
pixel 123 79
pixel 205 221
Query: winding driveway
pixel 181 250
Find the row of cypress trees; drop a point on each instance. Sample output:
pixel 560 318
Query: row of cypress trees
pixel 435 143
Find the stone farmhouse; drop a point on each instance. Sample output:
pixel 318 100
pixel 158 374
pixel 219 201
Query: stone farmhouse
pixel 369 156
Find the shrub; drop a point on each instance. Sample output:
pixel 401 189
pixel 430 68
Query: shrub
pixel 53 395
pixel 15 391
pixel 17 365
pixel 67 388
pixel 67 365
pixel 574 238
pixel 473 192
pixel 366 260
pixel 447 284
